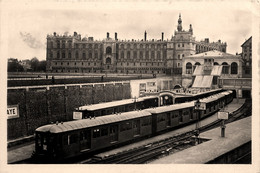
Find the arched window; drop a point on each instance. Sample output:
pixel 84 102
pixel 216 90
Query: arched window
pixel 69 55
pixel 135 46
pixel 188 68
pixel 225 68
pixel 70 43
pixel 108 61
pixel 141 46
pixel 197 63
pixel 215 63
pixel 58 44
pixel 122 46
pixel 146 46
pixel 108 50
pixel 122 54
pixel 96 46
pixel 152 54
pixel 158 55
pixel 63 44
pixel 77 55
pixel 135 54
pixel 83 55
pixel 146 55
pixel 234 68
pixel 90 55
pixel 152 46
pixel 96 54
pixel 128 54
pixel 90 46
pixel 141 55
pixel 159 46
pixel 128 46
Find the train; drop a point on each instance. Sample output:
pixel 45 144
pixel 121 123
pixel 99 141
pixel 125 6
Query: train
pixel 55 142
pixel 126 105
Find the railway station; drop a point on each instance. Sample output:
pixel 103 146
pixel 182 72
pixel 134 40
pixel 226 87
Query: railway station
pixel 140 101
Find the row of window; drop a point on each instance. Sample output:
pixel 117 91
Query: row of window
pixel 142 55
pixel 89 63
pixel 68 63
pixel 62 44
pixel 69 55
pixel 225 68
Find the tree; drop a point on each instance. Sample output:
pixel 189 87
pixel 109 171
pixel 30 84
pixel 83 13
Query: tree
pixel 42 66
pixel 34 64
pixel 14 66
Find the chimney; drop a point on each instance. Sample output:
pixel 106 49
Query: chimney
pixel 75 33
pixel 219 41
pixel 162 36
pixel 145 36
pixel 54 33
pixel 115 36
pixel 107 34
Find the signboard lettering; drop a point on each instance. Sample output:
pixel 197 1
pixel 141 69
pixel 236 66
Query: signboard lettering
pixel 12 111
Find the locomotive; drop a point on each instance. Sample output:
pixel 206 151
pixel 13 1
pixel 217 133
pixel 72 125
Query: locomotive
pixel 69 139
pixel 141 103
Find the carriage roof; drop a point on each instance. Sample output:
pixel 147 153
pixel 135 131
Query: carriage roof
pixel 85 123
pixel 105 105
pixel 187 104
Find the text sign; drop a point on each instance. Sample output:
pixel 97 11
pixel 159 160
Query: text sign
pixel 77 115
pixel 12 111
pixel 200 106
pixel 223 115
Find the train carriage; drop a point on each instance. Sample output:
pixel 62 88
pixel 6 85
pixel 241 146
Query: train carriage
pixel 72 138
pixel 69 139
pixel 113 107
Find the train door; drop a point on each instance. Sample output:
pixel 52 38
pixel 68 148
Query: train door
pixel 168 119
pixel 113 133
pixel 136 127
pixel 85 140
pixel 180 116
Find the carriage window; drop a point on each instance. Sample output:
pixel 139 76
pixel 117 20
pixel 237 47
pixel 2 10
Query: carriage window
pixel 96 133
pixel 125 126
pixel 160 118
pixel 83 135
pixel 72 139
pixel 104 131
pixel 146 121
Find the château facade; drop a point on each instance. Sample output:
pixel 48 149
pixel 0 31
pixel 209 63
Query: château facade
pixel 73 54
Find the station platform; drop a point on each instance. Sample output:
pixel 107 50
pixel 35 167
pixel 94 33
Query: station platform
pixel 232 107
pixel 19 153
pixel 237 134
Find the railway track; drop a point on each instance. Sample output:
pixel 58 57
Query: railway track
pixel 167 146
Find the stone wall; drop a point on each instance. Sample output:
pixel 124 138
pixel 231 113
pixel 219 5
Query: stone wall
pixel 42 105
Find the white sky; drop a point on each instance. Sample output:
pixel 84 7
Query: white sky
pixel 26 24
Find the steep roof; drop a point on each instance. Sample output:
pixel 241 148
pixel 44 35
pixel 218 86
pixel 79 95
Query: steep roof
pixel 246 41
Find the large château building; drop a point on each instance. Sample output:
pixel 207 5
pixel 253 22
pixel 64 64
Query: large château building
pixel 73 54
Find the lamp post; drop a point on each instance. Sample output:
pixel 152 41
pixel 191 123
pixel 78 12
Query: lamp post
pixel 198 106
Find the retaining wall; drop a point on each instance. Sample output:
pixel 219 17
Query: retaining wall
pixel 42 105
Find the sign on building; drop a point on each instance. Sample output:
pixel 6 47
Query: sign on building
pixel 77 115
pixel 223 115
pixel 12 111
